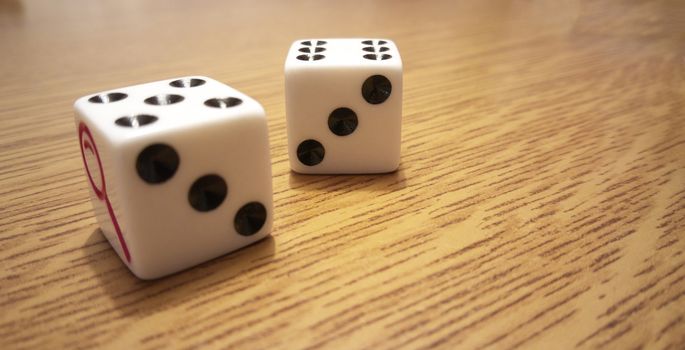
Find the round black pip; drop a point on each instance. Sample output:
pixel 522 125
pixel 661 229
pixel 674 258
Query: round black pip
pixel 310 152
pixel 250 218
pixel 207 193
pixel 342 121
pixel 376 89
pixel 157 163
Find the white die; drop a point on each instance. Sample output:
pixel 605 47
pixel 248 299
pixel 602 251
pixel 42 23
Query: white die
pixel 179 171
pixel 343 106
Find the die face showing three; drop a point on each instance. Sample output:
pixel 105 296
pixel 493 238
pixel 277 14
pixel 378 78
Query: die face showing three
pixel 343 105
pixel 179 171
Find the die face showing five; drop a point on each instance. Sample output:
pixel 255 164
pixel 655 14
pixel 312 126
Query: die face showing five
pixel 343 105
pixel 187 174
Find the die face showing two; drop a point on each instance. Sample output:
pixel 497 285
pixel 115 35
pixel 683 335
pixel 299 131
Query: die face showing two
pixel 184 173
pixel 343 105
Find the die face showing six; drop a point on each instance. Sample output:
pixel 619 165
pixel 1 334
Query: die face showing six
pixel 187 179
pixel 344 105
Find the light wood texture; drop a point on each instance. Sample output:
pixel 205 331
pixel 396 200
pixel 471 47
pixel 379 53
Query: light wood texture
pixel 540 201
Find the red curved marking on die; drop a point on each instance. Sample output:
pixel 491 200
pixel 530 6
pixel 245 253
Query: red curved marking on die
pixel 89 144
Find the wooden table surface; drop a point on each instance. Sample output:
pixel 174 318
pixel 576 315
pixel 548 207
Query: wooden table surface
pixel 540 201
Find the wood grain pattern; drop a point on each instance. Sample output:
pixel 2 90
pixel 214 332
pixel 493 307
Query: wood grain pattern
pixel 540 201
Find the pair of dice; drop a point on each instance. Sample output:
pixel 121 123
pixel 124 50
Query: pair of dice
pixel 180 169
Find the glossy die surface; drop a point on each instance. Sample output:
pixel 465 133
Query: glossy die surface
pixel 178 170
pixel 343 106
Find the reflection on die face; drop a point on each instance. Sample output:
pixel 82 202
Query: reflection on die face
pixel 186 168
